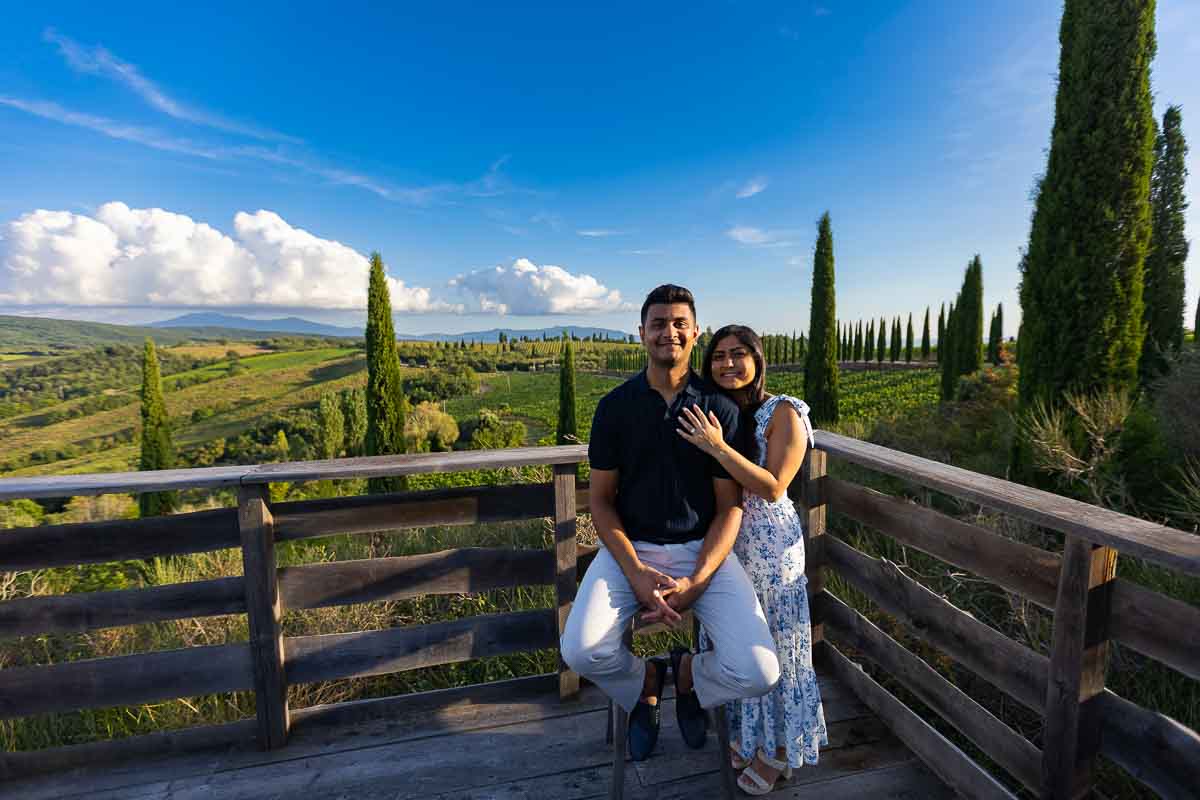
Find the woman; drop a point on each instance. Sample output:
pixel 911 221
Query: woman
pixel 784 728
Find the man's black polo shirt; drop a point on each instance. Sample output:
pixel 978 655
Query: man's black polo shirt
pixel 664 489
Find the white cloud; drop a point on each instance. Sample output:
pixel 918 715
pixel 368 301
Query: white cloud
pixel 129 256
pixel 758 237
pixel 599 233
pixel 752 187
pixel 526 288
pixel 99 61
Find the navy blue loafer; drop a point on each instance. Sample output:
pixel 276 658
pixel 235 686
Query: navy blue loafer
pixel 645 719
pixel 693 722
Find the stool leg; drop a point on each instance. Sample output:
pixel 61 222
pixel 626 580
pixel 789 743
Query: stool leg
pixel 728 782
pixel 617 789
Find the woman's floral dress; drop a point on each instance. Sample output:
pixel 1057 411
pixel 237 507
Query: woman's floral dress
pixel 770 545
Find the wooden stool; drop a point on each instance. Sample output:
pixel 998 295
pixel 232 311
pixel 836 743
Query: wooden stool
pixel 617 732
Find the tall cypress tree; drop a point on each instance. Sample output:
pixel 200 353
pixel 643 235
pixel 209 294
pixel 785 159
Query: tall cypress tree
pixel 1164 279
pixel 881 345
pixel 858 341
pixel 821 368
pixel 157 450
pixel 386 404
pixel 941 331
pixel 1082 274
pixel 908 342
pixel 332 433
pixel 869 342
pixel 999 333
pixel 925 344
pixel 568 430
pixel 897 340
pixel 946 353
pixel 970 319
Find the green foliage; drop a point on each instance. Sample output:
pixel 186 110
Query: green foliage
pixel 333 427
pixel 158 452
pixel 354 415
pixel 20 514
pixel 1082 274
pixel 881 345
pixel 489 432
pixel 996 335
pixel 821 367
pixel 434 385
pixel 947 350
pixel 869 342
pixel 567 431
pixel 941 331
pixel 908 341
pixel 430 429
pixel 386 403
pixel 1164 272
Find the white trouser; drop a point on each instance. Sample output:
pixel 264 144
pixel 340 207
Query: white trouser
pixel 741 664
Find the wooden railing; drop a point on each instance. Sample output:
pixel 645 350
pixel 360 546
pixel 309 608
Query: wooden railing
pixel 1091 607
pixel 269 662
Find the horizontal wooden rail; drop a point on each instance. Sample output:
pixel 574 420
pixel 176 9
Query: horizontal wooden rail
pixel 473 569
pixel 1005 746
pixel 336 469
pixel 1010 667
pixel 1169 547
pixel 356 655
pixel 941 755
pixel 205 531
pixel 125 680
pixel 1161 627
pixel 1028 571
pixel 1151 747
pixel 91 610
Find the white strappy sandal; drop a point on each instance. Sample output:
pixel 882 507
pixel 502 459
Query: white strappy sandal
pixel 736 758
pixel 752 783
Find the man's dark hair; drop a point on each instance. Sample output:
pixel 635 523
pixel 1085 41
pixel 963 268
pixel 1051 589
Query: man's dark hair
pixel 666 294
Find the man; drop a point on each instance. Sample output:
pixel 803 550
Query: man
pixel 667 516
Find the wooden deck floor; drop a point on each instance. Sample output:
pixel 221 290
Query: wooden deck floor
pixel 510 741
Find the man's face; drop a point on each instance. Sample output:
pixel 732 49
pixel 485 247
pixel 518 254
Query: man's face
pixel 669 333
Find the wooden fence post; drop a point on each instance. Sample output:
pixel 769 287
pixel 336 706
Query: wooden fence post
pixel 264 610
pixel 1078 658
pixel 564 565
pixel 813 499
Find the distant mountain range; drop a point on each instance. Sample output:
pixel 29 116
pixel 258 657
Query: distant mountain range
pixel 44 335
pixel 310 328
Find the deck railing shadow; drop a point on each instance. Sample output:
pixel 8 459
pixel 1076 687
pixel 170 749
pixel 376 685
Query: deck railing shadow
pixel 1091 607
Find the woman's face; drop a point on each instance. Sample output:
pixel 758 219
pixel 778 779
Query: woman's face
pixel 732 364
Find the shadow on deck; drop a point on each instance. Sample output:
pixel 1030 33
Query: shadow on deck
pixel 512 739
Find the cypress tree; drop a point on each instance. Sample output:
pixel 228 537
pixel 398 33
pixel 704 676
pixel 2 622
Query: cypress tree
pixel 821 367
pixel 999 333
pixel 869 342
pixel 941 331
pixel 897 342
pixel 925 344
pixel 881 346
pixel 857 354
pixel 354 412
pixel 332 427
pixel 946 353
pixel 387 406
pixel 970 320
pixel 908 342
pixel 1164 278
pixel 1196 325
pixel 1082 273
pixel 157 451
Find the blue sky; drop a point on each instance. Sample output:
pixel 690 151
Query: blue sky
pixel 477 146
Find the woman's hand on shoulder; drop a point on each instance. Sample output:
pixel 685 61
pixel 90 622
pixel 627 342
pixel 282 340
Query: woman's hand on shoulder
pixel 703 430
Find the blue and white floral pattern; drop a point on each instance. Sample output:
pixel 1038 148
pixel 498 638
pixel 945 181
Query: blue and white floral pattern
pixel 770 545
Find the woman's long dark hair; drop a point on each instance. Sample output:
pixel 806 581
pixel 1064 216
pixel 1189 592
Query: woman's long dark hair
pixel 755 392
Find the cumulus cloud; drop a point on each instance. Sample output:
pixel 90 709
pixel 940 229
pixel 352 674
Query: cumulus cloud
pixel 752 187
pixel 526 288
pixel 130 257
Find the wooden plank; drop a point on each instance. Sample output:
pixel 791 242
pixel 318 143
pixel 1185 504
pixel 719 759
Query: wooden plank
pixel 1002 744
pixel 1161 627
pixel 117 540
pixel 89 610
pixel 335 469
pixel 1169 547
pixel 356 655
pixel 1028 571
pixel 1078 660
pixel 265 613
pixel 125 680
pixel 941 755
pixel 814 497
pixel 370 513
pixel 368 580
pixel 416 464
pixel 1152 747
pixel 882 772
pixel 1010 667
pixel 564 567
